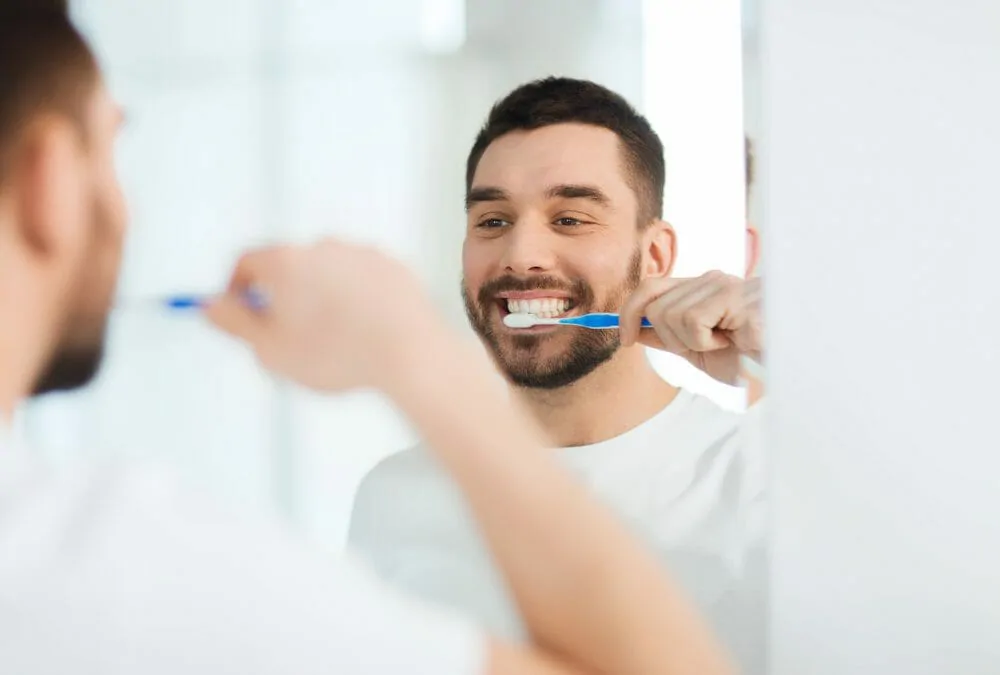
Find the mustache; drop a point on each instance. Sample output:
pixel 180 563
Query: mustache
pixel 577 288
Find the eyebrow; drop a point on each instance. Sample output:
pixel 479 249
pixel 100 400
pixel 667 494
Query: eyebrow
pixel 479 195
pixel 590 192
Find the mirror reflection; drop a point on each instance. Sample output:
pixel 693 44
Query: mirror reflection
pixel 530 163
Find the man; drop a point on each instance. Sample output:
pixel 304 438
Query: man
pixel 564 192
pixel 753 372
pixel 114 570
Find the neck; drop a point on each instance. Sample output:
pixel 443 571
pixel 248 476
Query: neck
pixel 619 395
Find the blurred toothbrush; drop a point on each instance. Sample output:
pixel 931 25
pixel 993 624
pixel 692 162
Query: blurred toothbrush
pixel 597 320
pixel 254 299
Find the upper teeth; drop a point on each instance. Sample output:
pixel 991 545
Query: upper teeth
pixel 543 307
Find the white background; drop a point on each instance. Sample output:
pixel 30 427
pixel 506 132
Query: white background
pixel 880 185
pixel 282 120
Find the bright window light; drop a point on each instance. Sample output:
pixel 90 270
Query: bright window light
pixel 693 96
pixel 442 25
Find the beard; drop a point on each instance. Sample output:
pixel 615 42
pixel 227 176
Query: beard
pixel 520 356
pixel 72 367
pixel 79 352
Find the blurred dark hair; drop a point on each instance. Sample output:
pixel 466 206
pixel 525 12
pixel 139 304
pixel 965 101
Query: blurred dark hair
pixel 45 67
pixel 560 100
pixel 22 7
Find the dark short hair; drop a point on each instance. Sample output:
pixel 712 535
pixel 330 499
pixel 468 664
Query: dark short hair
pixel 45 67
pixel 561 100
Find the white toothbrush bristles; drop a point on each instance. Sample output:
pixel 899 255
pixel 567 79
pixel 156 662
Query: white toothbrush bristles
pixel 522 320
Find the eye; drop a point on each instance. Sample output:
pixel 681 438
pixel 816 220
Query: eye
pixel 492 223
pixel 566 221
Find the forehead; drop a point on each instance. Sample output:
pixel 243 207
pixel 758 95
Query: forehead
pixel 527 162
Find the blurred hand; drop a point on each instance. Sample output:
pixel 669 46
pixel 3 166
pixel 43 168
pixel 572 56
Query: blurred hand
pixel 710 320
pixel 338 316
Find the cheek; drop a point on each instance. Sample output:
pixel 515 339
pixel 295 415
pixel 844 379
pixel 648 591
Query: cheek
pixel 114 205
pixel 477 262
pixel 601 266
pixel 110 216
pixel 118 207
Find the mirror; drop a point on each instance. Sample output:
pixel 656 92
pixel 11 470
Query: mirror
pixel 288 121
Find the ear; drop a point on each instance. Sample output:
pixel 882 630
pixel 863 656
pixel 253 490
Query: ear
pixel 659 244
pixel 753 250
pixel 47 177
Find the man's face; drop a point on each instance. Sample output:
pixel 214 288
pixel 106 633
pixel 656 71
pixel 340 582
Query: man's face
pixel 101 212
pixel 552 230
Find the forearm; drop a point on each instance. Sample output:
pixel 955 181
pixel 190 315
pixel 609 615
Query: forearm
pixel 586 589
pixel 752 374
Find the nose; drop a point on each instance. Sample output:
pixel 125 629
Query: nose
pixel 530 248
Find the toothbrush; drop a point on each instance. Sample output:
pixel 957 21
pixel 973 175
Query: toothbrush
pixel 254 299
pixel 595 321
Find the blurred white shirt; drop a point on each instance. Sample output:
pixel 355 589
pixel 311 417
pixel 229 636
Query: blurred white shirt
pixel 115 570
pixel 689 480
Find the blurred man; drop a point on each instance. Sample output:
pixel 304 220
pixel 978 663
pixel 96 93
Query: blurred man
pixel 564 195
pixel 113 570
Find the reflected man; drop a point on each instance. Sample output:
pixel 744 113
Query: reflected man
pixel 564 200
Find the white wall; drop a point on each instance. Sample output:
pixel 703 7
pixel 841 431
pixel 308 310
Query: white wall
pixel 881 178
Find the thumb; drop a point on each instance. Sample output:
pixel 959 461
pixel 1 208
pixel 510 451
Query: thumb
pixel 713 339
pixel 231 314
pixel 630 315
pixel 650 338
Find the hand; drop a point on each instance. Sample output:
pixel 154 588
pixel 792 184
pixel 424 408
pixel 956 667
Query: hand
pixel 710 320
pixel 338 316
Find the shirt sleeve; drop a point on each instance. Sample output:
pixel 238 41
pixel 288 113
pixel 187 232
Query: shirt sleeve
pixel 124 574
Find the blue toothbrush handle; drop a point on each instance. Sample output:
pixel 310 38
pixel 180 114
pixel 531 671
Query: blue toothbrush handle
pixel 185 302
pixel 254 299
pixel 599 320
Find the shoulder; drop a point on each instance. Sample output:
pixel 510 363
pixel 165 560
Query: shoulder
pixel 402 493
pixel 399 469
pixel 734 437
pixel 133 549
pixel 695 422
pixel 752 444
pixel 702 413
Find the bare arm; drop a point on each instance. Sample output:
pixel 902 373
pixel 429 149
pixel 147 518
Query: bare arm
pixel 588 591
pixel 591 596
pixel 505 659
pixel 752 374
pixel 755 388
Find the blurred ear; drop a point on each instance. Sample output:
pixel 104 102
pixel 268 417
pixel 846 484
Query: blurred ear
pixel 753 250
pixel 659 249
pixel 47 178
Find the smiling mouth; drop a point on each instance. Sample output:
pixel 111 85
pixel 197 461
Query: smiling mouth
pixel 546 308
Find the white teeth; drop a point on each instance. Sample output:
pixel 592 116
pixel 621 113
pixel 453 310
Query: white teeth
pixel 541 307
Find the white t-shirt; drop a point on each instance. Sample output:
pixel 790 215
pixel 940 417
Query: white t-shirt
pixel 689 481
pixel 112 571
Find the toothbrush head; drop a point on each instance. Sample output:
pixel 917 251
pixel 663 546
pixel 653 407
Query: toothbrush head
pixel 519 320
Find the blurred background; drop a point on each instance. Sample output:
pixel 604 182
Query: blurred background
pixel 287 120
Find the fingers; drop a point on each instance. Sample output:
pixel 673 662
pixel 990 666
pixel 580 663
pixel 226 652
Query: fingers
pixel 634 309
pixel 231 312
pixel 687 314
pixel 693 314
